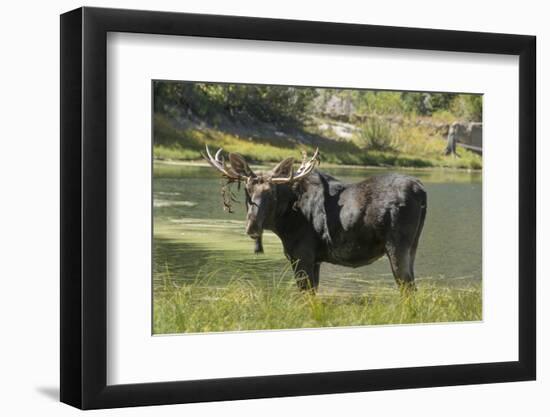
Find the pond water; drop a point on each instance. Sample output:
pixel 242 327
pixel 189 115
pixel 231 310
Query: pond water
pixel 194 237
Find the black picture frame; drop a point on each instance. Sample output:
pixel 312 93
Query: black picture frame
pixel 84 207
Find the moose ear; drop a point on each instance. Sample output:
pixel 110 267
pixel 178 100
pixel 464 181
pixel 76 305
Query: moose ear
pixel 239 165
pixel 283 168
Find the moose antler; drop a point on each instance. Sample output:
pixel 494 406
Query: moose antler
pixel 218 162
pixel 305 169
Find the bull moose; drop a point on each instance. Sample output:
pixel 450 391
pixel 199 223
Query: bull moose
pixel 320 219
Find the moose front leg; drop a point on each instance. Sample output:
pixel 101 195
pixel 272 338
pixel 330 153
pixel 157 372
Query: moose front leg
pixel 258 246
pixel 307 274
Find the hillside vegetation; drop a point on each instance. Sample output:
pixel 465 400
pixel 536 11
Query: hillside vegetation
pixel 352 127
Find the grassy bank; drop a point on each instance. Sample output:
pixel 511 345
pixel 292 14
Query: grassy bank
pixel 409 146
pixel 245 305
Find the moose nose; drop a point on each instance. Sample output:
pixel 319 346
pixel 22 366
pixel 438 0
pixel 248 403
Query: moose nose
pixel 252 230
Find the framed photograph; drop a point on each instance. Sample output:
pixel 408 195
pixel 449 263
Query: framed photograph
pixel 257 208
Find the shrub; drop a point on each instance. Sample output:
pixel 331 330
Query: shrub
pixel 468 107
pixel 376 135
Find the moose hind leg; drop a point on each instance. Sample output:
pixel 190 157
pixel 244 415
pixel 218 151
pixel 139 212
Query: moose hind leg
pixel 401 265
pixel 400 243
pixel 307 275
pixel 422 217
pixel 406 224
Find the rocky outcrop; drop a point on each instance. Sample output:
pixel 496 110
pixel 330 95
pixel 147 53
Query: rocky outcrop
pixel 337 108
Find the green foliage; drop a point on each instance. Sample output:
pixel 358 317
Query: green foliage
pixel 292 105
pixel 267 123
pixel 426 103
pixel 378 102
pixel 444 116
pixel 271 104
pixel 376 134
pixel 468 107
pixel 440 101
pixel 254 305
pixel 364 101
pixel 369 102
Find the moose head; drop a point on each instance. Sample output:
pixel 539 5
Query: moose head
pixel 262 196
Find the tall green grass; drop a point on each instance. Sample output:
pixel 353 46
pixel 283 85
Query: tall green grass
pixel 248 305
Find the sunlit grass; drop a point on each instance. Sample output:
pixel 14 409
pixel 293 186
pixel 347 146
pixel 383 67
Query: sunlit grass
pixel 254 305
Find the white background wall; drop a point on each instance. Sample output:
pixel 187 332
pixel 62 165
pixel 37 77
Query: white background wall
pixel 29 228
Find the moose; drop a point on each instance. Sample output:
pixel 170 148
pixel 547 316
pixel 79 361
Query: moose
pixel 320 219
